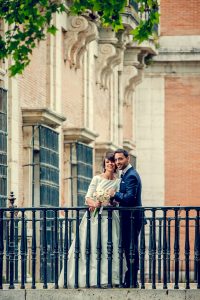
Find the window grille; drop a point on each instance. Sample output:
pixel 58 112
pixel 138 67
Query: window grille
pixel 49 167
pixel 3 147
pixel 48 162
pixel 84 170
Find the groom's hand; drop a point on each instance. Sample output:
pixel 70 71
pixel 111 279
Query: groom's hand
pixel 115 203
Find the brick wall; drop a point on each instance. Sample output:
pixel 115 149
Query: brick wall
pixel 182 141
pixel 33 82
pixel 181 17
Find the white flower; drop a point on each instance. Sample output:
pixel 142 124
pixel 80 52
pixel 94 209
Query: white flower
pixel 103 197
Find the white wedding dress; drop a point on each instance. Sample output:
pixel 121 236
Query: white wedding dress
pixel 97 183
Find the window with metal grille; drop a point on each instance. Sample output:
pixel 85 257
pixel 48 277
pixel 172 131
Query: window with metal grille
pixel 84 170
pixel 49 167
pixel 3 147
pixel 48 161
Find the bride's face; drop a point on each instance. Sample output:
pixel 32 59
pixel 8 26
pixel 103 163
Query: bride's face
pixel 109 165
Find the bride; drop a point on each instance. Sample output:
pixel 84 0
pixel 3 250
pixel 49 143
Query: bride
pixel 99 183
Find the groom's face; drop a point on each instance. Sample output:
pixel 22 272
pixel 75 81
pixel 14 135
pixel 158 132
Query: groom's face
pixel 121 161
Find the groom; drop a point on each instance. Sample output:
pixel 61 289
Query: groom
pixel 129 195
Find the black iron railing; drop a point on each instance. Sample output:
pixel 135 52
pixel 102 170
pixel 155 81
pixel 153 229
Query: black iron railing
pixel 169 246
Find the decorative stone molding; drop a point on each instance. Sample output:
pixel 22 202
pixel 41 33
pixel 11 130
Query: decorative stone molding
pixel 83 135
pixel 105 146
pixel 106 53
pixel 85 37
pixel 107 35
pixel 79 34
pixel 130 17
pixel 110 55
pixel 45 116
pixel 131 56
pixel 129 75
pixel 129 145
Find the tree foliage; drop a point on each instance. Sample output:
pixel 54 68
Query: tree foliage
pixel 28 22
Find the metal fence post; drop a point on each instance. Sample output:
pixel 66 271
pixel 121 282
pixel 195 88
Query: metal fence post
pixel 11 241
pixel 1 249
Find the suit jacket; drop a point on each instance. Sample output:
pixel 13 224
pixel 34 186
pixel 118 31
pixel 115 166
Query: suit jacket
pixel 129 195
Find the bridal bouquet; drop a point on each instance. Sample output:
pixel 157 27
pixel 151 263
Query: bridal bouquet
pixel 103 197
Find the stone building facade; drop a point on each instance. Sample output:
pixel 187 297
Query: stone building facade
pixel 167 109
pixel 73 103
pixel 88 90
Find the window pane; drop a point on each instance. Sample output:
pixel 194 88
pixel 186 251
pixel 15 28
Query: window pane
pixel 49 167
pixel 84 170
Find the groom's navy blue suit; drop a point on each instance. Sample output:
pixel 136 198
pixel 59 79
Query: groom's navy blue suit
pixel 129 195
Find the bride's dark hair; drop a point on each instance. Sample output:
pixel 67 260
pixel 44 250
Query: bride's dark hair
pixel 111 157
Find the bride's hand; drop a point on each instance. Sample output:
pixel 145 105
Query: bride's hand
pixel 97 204
pixel 91 208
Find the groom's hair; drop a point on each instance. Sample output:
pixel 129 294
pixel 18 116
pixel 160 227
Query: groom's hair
pixel 120 150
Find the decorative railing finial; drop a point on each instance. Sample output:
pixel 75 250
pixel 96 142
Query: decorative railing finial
pixel 12 199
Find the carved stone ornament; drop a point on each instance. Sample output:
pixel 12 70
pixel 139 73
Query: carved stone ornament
pixel 108 58
pixel 106 52
pixel 110 55
pixel 79 34
pixel 132 77
pixel 131 73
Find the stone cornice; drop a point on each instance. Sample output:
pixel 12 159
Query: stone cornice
pixel 131 56
pixel 178 49
pixel 128 145
pixel 79 34
pixel 174 68
pixel 105 146
pixel 45 116
pixel 169 55
pixel 83 135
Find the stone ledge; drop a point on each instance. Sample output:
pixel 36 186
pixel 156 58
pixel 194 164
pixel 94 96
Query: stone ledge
pixel 176 56
pixel 45 116
pixel 100 294
pixel 83 135
pixel 105 146
pixel 129 145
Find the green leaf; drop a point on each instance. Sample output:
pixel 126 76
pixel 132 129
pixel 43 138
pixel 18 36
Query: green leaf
pixel 52 30
pixel 30 20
